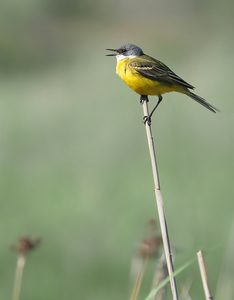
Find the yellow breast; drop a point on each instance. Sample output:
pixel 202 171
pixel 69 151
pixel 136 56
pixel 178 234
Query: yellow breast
pixel 139 83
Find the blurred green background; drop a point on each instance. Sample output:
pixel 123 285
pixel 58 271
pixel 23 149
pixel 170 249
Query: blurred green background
pixel 75 167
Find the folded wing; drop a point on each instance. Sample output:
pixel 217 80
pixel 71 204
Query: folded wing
pixel 158 71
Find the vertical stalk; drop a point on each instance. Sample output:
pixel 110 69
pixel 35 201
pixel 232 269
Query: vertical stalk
pixel 204 275
pixel 18 276
pixel 160 207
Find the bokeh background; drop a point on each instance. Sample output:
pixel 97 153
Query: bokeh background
pixel 75 168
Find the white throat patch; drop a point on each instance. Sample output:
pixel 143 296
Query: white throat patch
pixel 121 56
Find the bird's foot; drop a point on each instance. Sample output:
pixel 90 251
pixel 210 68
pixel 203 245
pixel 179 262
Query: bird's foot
pixel 144 98
pixel 147 119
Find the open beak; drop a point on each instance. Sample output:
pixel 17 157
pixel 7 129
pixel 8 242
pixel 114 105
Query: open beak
pixel 112 54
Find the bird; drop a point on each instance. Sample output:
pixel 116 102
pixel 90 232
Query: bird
pixel 148 76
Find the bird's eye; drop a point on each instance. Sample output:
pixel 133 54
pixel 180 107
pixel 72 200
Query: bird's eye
pixel 122 50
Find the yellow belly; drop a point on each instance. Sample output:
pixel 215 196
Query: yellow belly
pixel 140 84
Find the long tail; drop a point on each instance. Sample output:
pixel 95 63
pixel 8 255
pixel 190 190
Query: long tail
pixel 201 101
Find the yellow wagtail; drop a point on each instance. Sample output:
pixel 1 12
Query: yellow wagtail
pixel 149 76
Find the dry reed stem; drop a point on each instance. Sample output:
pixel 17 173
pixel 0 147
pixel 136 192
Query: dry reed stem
pixel 18 276
pixel 139 279
pixel 159 201
pixel 204 275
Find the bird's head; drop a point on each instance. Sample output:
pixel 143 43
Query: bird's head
pixel 126 50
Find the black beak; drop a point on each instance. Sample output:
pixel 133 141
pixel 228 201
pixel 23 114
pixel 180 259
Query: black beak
pixel 112 54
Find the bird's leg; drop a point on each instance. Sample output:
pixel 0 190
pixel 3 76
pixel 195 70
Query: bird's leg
pixel 159 101
pixel 143 98
pixel 148 118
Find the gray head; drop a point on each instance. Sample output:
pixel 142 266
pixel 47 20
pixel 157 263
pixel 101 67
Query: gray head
pixel 127 50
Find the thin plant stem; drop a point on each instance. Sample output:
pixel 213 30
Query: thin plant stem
pixel 139 279
pixel 18 276
pixel 160 207
pixel 204 275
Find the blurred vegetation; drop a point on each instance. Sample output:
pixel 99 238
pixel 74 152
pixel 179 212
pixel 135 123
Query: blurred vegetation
pixel 74 163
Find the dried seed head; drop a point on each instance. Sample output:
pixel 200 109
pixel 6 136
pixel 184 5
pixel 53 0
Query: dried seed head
pixel 150 246
pixel 25 245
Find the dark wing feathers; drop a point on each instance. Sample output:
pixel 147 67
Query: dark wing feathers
pixel 156 70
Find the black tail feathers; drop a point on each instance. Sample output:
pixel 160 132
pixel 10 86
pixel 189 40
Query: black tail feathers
pixel 201 101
